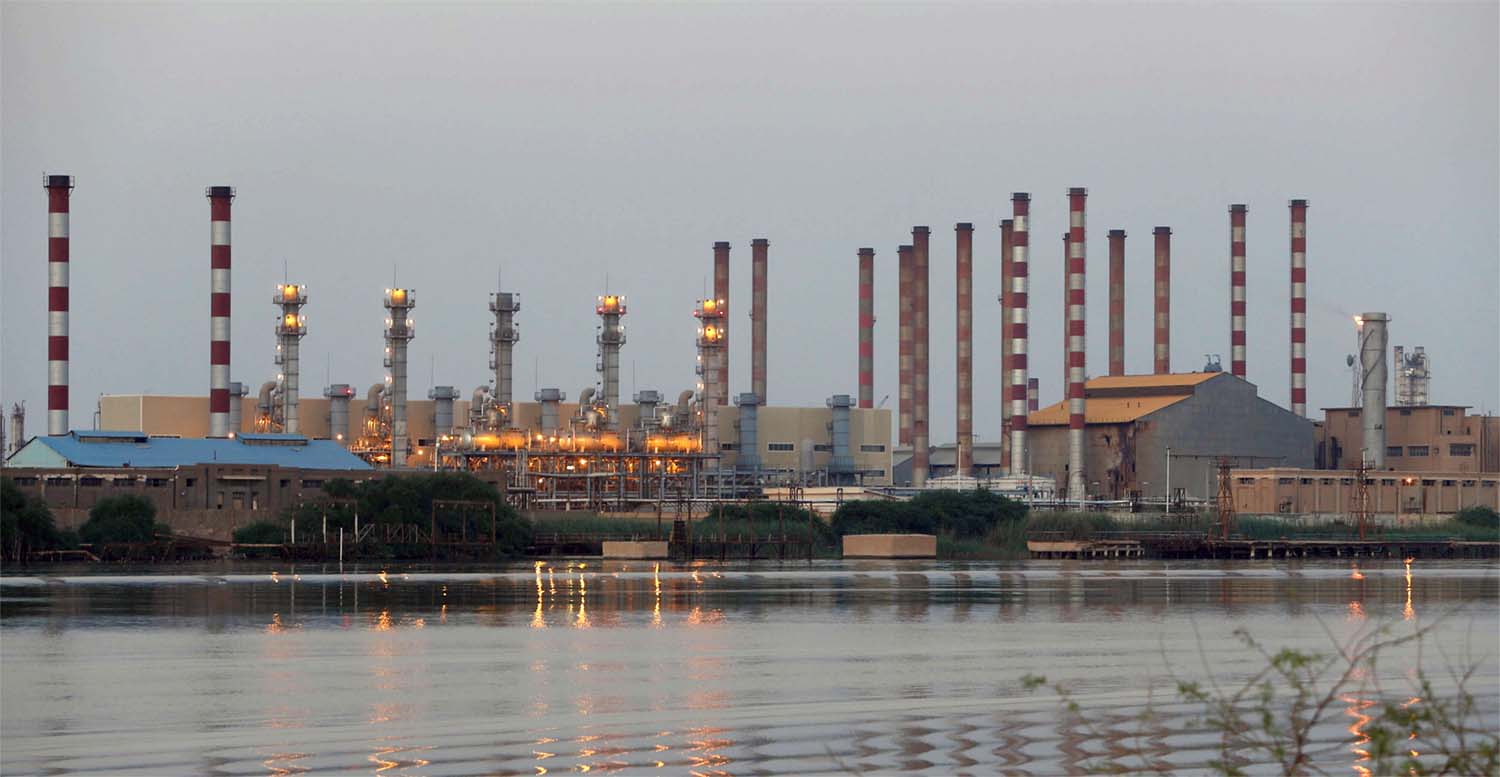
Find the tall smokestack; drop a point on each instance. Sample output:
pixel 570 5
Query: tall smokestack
pixel 1033 394
pixel 1077 356
pixel 1372 365
pixel 1006 230
pixel 219 198
pixel 964 328
pixel 611 309
pixel 1020 204
pixel 866 328
pixel 399 331
pixel 711 345
pixel 1066 295
pixel 921 348
pixel 1237 290
pixel 905 365
pixel 291 325
pixel 59 189
pixel 1299 307
pixel 758 248
pixel 504 334
pixel 1117 302
pixel 721 294
pixel 1162 349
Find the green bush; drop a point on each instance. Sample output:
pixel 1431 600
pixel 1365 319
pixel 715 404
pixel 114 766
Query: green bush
pixel 1481 516
pixel 959 514
pixel 261 533
pixel 124 518
pixel 26 525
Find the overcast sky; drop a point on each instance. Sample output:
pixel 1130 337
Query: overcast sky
pixel 575 147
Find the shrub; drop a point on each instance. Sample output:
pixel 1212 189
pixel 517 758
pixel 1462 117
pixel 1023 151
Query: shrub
pixel 1481 516
pixel 961 514
pixel 261 533
pixel 26 524
pixel 125 518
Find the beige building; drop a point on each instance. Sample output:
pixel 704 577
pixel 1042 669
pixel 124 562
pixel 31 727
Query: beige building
pixel 789 439
pixel 1424 438
pixel 1299 491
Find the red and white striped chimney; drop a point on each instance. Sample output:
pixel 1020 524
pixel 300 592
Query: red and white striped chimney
pixel 1117 302
pixel 758 249
pixel 921 421
pixel 904 364
pixel 219 198
pixel 1006 229
pixel 1162 349
pixel 1077 356
pixel 866 328
pixel 964 329
pixel 1064 309
pixel 59 189
pixel 1237 290
pixel 1020 203
pixel 1033 394
pixel 721 295
pixel 1299 307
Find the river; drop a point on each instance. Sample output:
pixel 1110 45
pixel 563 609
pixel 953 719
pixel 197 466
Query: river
pixel 238 668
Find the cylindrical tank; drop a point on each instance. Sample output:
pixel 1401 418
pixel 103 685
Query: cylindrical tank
pixel 842 465
pixel 1372 348
pixel 748 459
pixel 442 409
pixel 338 396
pixel 549 397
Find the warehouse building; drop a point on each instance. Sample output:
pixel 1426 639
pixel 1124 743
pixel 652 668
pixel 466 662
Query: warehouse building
pixel 1418 438
pixel 1133 422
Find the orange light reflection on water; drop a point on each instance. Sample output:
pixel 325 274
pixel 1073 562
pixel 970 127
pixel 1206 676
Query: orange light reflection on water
pixel 1356 710
pixel 1408 613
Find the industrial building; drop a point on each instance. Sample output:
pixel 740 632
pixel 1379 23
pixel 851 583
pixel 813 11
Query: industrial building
pixel 1425 438
pixel 1321 492
pixel 1134 423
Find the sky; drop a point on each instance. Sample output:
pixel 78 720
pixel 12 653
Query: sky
pixel 573 149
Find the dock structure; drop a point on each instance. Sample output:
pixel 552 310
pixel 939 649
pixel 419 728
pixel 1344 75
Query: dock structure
pixel 1182 545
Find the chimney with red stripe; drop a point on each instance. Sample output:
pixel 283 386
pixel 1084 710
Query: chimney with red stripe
pixel 866 328
pixel 219 199
pixel 1237 290
pixel 1299 307
pixel 1020 243
pixel 59 189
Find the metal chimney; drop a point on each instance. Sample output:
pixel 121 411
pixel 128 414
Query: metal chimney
pixel 1019 380
pixel 219 199
pixel 504 334
pixel 1117 302
pixel 442 409
pixel 291 325
pixel 1237 290
pixel 1299 307
pixel 647 400
pixel 721 294
pixel 1007 227
pixel 1162 347
pixel 921 421
pixel 550 398
pixel 399 331
pixel 758 248
pixel 1372 348
pixel 867 328
pixel 237 392
pixel 711 346
pixel 905 342
pixel 964 329
pixel 1077 355
pixel 59 190
pixel 842 466
pixel 611 308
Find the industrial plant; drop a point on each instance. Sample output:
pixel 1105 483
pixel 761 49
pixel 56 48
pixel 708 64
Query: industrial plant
pixel 1112 439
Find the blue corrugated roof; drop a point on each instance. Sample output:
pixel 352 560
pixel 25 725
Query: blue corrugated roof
pixel 134 449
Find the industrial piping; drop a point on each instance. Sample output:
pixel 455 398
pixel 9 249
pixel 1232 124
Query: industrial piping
pixel 921 349
pixel 721 293
pixel 1077 355
pixel 219 199
pixel 758 248
pixel 1116 302
pixel 1299 307
pixel 59 190
pixel 1006 230
pixel 290 328
pixel 398 332
pixel 1162 348
pixel 1372 365
pixel 904 363
pixel 1237 290
pixel 964 329
pixel 867 328
pixel 1020 242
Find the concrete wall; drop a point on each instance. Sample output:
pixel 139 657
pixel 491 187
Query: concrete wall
pixel 1329 491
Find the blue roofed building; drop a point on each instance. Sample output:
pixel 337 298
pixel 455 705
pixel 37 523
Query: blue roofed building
pixel 202 487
